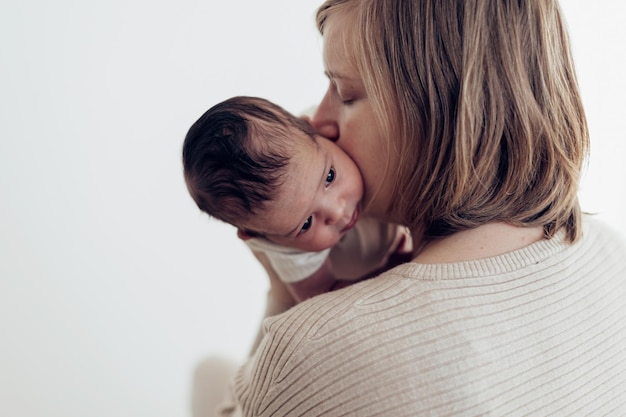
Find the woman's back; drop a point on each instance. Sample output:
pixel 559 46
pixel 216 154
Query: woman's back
pixel 517 334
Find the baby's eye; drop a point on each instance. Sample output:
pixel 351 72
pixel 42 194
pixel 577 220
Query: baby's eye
pixel 330 177
pixel 307 225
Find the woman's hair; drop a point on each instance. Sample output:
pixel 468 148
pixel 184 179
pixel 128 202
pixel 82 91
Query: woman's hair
pixel 483 100
pixel 235 156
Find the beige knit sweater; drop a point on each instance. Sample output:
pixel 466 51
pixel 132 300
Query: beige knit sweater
pixel 539 331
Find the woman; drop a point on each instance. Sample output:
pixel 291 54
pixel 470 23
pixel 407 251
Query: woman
pixel 466 122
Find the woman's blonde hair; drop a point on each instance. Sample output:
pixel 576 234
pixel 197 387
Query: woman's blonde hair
pixel 482 98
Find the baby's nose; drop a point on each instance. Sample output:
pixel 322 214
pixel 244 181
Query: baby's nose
pixel 335 212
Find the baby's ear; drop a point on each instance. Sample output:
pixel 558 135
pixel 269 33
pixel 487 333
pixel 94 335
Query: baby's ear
pixel 243 235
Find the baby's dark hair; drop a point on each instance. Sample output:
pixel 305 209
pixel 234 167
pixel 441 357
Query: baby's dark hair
pixel 235 156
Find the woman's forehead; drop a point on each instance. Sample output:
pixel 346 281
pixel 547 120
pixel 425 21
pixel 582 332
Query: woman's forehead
pixel 339 49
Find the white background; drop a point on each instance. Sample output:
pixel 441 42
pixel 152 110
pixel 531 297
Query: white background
pixel 112 285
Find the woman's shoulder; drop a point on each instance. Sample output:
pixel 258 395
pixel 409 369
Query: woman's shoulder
pixel 339 350
pixel 411 288
pixel 331 313
pixel 413 295
pixel 408 336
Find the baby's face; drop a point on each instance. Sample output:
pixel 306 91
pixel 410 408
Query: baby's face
pixel 319 201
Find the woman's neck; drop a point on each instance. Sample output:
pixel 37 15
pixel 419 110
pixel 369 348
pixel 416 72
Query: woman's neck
pixel 485 241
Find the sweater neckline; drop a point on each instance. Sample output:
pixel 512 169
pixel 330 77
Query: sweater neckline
pixel 532 254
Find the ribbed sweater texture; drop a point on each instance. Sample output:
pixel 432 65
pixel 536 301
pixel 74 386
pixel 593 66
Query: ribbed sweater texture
pixel 535 332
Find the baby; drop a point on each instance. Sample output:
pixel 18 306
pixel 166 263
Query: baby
pixel 292 194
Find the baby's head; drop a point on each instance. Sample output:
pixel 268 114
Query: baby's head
pixel 252 164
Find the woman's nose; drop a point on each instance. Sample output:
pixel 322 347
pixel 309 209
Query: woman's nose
pixel 324 120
